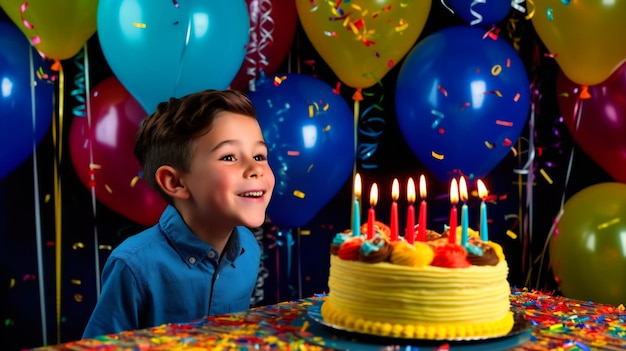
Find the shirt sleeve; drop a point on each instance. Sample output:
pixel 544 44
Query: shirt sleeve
pixel 120 303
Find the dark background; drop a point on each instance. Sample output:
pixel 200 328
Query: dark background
pixel 295 259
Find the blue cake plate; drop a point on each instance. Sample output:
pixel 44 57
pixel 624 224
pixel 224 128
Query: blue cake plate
pixel 334 337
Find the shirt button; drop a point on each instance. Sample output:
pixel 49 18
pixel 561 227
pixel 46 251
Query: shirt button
pixel 192 260
pixel 211 254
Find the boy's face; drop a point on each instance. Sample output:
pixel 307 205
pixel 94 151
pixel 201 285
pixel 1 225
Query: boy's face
pixel 230 180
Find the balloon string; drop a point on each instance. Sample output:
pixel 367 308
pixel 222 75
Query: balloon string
pixel 299 236
pixel 92 187
pixel 40 270
pixel 57 139
pixel 355 131
pixel 182 55
pixel 578 108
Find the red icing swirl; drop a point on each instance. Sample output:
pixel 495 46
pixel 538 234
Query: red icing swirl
pixel 450 256
pixel 350 249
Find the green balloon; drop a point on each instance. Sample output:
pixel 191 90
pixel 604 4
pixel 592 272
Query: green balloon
pixel 588 249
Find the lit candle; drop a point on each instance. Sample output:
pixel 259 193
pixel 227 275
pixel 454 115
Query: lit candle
pixel 454 199
pixel 409 233
pixel 482 193
pixel 395 194
pixel 371 214
pixel 356 209
pixel 464 215
pixel 421 230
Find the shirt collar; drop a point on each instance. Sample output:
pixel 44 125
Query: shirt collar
pixel 189 246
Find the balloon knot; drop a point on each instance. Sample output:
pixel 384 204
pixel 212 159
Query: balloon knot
pixel 357 96
pixel 56 66
pixel 584 93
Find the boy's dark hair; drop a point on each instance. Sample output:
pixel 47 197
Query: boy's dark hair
pixel 166 137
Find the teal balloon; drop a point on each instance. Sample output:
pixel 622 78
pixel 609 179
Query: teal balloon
pixel 588 248
pixel 462 100
pixel 25 113
pixel 163 49
pixel 309 134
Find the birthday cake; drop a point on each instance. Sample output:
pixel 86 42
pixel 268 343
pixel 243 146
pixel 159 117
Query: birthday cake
pixel 432 289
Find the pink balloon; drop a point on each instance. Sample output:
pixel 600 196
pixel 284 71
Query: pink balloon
pixel 272 30
pixel 102 154
pixel 598 122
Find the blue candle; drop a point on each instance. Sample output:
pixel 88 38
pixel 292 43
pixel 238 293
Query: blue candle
pixel 484 235
pixel 482 193
pixel 464 225
pixel 356 219
pixel 464 216
pixel 356 207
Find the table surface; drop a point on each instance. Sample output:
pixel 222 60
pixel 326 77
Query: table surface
pixel 547 322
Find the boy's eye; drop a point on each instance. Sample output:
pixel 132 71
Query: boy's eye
pixel 260 157
pixel 228 158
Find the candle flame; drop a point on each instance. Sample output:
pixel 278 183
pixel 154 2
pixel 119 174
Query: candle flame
pixel 374 195
pixel 463 189
pixel 482 189
pixel 357 185
pixel 454 192
pixel 395 190
pixel 410 191
pixel 422 187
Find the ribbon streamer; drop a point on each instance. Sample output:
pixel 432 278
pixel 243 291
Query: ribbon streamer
pixel 371 128
pixel 57 139
pixel 258 45
pixel 79 92
pixel 479 17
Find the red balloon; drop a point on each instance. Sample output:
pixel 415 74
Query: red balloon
pixel 272 30
pixel 102 154
pixel 596 118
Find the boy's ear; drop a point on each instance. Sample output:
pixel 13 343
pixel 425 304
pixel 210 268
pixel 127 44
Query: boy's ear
pixel 168 179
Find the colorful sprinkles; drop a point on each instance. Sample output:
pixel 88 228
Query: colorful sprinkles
pixel 557 322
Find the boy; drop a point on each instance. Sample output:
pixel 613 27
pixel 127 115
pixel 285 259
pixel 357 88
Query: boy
pixel 205 154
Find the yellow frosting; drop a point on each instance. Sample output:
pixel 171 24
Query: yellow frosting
pixel 423 302
pixel 416 255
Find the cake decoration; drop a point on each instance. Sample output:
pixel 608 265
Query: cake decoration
pixel 424 285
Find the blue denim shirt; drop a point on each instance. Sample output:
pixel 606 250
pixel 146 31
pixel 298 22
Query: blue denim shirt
pixel 166 274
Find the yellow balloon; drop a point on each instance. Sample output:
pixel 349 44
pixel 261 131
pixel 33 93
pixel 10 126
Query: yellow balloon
pixel 58 29
pixel 362 40
pixel 586 37
pixel 588 250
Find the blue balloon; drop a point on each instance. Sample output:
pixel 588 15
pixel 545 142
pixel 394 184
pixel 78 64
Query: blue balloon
pixel 462 101
pixel 310 137
pixel 25 115
pixel 481 13
pixel 163 49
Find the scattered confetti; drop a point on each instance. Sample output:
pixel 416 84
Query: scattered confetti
pixel 546 176
pixel 436 155
pixel 299 194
